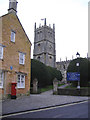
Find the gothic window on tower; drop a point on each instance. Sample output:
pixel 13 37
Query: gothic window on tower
pixel 64 66
pixel 50 34
pixel 39 44
pixel 37 32
pixel 50 57
pixel 44 56
pixel 38 57
pixel 40 34
pixel 50 47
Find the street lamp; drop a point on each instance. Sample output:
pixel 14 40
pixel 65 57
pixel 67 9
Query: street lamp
pixel 78 64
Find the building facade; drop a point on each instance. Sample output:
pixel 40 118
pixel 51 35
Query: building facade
pixel 44 44
pixel 63 66
pixel 15 52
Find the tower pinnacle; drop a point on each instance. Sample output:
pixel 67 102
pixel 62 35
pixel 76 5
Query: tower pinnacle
pixel 45 22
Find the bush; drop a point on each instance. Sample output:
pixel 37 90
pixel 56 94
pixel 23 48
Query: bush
pixel 39 71
pixel 83 69
pixel 54 73
pixel 44 74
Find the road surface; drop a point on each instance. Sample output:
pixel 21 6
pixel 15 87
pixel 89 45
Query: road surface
pixel 74 110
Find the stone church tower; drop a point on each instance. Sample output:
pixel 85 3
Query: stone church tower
pixel 44 44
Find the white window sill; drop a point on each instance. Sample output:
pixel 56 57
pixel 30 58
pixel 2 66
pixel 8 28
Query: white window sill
pixel 1 87
pixel 21 64
pixel 20 87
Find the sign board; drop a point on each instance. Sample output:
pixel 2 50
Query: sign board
pixel 73 76
pixel 11 67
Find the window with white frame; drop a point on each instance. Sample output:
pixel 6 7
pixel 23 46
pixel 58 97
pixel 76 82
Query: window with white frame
pixel 21 58
pixel 1 79
pixel 21 81
pixel 13 36
pixel 1 52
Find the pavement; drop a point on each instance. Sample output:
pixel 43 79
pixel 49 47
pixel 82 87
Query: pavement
pixel 37 101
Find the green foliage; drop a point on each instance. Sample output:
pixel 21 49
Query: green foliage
pixel 44 74
pixel 39 71
pixel 46 88
pixel 83 69
pixel 53 73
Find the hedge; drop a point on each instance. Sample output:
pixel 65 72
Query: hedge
pixel 44 74
pixel 83 69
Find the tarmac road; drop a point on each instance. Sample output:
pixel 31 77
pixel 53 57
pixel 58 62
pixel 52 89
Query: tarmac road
pixel 74 110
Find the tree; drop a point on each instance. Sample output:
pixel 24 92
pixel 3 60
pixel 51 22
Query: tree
pixel 44 74
pixel 83 69
pixel 39 71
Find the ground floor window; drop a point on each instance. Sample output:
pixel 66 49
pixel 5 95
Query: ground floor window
pixel 1 79
pixel 21 81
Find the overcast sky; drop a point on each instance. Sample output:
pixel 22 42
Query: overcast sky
pixel 69 16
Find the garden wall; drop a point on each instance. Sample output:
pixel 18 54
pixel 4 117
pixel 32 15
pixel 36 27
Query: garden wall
pixel 74 91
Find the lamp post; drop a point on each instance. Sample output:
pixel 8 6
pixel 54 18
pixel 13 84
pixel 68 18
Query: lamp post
pixel 78 65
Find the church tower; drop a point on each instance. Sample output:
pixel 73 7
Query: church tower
pixel 44 44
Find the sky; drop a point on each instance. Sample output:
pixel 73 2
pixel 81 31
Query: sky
pixel 69 16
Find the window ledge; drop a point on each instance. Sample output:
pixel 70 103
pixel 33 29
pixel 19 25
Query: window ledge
pixel 12 42
pixel 21 64
pixel 20 88
pixel 2 88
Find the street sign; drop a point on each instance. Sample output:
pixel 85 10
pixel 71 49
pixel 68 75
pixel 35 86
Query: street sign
pixel 73 76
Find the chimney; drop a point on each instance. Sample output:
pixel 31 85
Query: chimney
pixel 12 6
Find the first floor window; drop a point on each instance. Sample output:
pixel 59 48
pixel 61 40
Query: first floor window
pixel 1 79
pixel 21 81
pixel 1 52
pixel 21 58
pixel 12 36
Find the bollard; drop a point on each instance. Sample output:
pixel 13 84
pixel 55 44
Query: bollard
pixel 55 86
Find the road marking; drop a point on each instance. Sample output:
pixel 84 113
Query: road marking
pixel 42 109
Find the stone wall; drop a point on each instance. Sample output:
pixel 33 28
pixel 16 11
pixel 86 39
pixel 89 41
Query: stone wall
pixel 11 53
pixel 74 91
